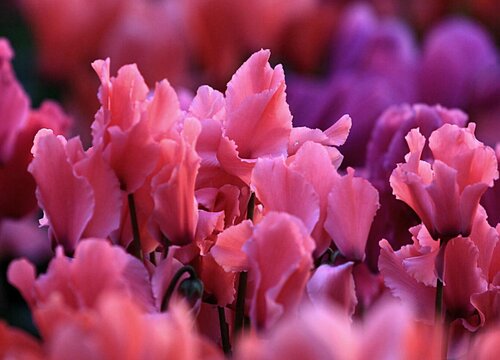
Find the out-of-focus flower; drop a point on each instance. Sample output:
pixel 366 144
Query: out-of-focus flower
pixel 14 344
pixel 373 67
pixel 325 332
pixel 445 194
pixel 463 53
pixel 17 129
pixel 78 283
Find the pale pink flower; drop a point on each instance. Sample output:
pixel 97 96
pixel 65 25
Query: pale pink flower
pixel 446 193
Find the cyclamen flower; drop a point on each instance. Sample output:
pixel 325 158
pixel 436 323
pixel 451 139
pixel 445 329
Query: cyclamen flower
pixel 77 190
pixel 470 278
pixel 323 331
pixel 277 253
pixel 446 193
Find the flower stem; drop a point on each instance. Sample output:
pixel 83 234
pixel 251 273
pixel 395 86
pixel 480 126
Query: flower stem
pixel 177 276
pixel 439 301
pixel 439 313
pixel 224 331
pixel 240 303
pixel 135 247
pixel 239 320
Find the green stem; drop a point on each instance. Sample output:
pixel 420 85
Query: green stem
pixel 224 331
pixel 239 320
pixel 135 247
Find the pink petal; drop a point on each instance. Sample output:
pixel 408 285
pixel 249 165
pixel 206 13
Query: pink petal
pixel 163 111
pixel 256 105
pixel 208 104
pixel 445 196
pixel 334 283
pixel 488 305
pixel 352 204
pixel 462 276
pixel 107 194
pixel 120 98
pixel 313 163
pixel 99 267
pixel 16 344
pixel 486 239
pixel 227 251
pixel 173 188
pixel 402 285
pixel 280 259
pixel 67 198
pixel 21 274
pixel 231 162
pixel 337 133
pixel 132 154
pixel 217 281
pixel 279 188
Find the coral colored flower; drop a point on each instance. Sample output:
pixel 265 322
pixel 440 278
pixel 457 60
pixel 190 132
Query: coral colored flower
pixel 172 188
pixel 445 194
pixel 97 268
pixel 255 104
pixel 116 327
pixel 77 190
pixel 120 128
pixel 325 332
pixel 279 257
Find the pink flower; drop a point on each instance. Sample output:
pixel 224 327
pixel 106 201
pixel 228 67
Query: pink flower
pixel 17 129
pixel 78 283
pixel 446 193
pixel 352 204
pixel 410 273
pixel 77 190
pixel 325 332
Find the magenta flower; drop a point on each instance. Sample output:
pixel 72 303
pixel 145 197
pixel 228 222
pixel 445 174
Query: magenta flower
pixel 446 193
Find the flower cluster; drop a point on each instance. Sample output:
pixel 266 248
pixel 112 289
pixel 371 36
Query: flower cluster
pixel 212 225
